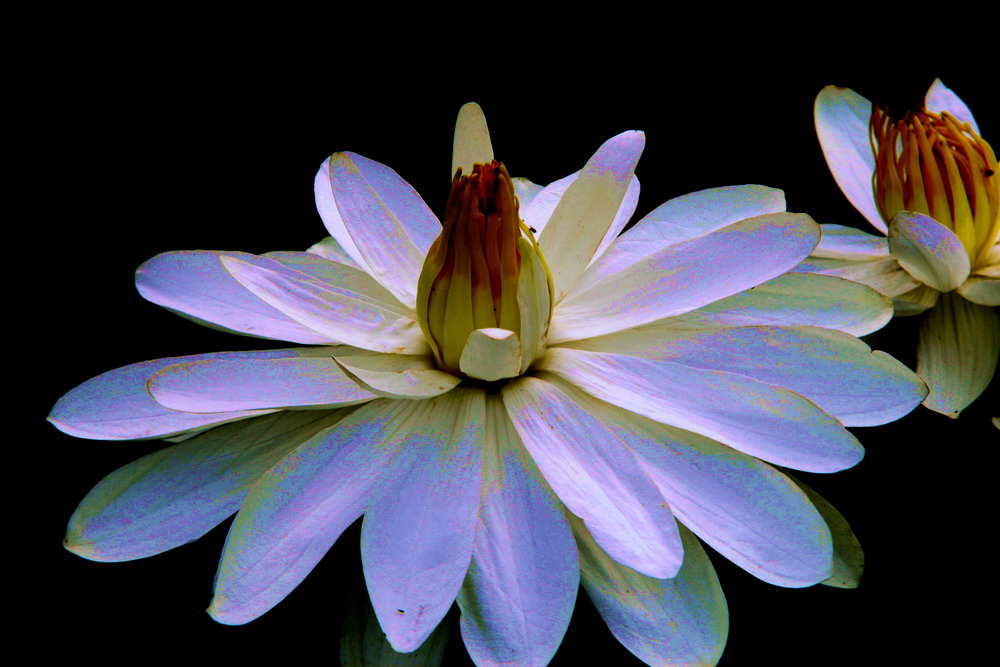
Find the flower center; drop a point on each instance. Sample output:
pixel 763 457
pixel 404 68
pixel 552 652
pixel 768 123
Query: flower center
pixel 933 164
pixel 484 299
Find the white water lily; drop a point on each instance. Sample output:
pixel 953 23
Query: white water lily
pixel 928 182
pixel 517 402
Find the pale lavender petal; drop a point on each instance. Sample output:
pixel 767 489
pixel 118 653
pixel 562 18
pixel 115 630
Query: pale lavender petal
pixel 842 117
pixel 179 493
pixel 595 475
pixel 885 276
pixel 194 285
pixel 929 251
pixel 625 212
pixel 117 406
pixel 388 223
pixel 417 537
pixel 526 192
pixel 329 248
pixel 363 644
pixel 340 313
pixel 834 370
pixel 940 98
pixel 298 509
pixel 519 593
pixel 839 242
pixel 678 621
pixel 299 377
pixel 537 213
pixel 760 419
pixel 848 558
pixel 795 299
pixel 680 278
pixel 580 222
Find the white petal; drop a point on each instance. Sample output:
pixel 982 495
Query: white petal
pixel 472 143
pixel 301 377
pixel 340 276
pixel 519 593
pixel 298 509
pixel 757 418
pixel 533 302
pixel 625 211
pixel 929 251
pixel 679 621
pixel 885 276
pixel 417 537
pixel 179 493
pixel 585 213
pixel 940 98
pixel 330 249
pixel 117 406
pixel 848 558
pixel 842 117
pixel 689 275
pixel 745 509
pixel 384 219
pixel 363 644
pixel 340 313
pixel 795 299
pixel 682 219
pixel 982 290
pixel 193 284
pixel 839 242
pixel 526 192
pixel 491 354
pixel 834 370
pixel 538 212
pixel 916 301
pixel 595 475
pixel 957 353
pixel 398 376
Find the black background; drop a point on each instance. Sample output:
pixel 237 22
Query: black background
pixel 145 142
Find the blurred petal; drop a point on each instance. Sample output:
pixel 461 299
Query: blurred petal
pixel 580 222
pixel 981 290
pixel 519 593
pixel 117 406
pixel 179 493
pixel 381 218
pixel 194 285
pixel 842 117
pixel 795 299
pixel 472 143
pixel 682 219
pixel 398 376
pixel 680 278
pixel 300 377
pixel 771 423
pixel 679 621
pixel 340 313
pixel 418 532
pixel 940 98
pixel 929 251
pixel 298 509
pixel 836 371
pixel 957 353
pixel 839 242
pixel 848 558
pixel 595 475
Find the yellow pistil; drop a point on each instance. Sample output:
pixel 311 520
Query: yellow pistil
pixel 471 276
pixel 933 164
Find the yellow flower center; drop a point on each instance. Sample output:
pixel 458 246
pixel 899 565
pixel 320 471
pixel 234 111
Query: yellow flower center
pixel 933 164
pixel 482 273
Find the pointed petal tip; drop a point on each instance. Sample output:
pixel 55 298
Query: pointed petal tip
pixel 217 610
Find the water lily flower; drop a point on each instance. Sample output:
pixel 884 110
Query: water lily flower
pixel 928 182
pixel 517 400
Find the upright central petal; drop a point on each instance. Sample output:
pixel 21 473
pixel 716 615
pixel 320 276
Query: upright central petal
pixel 936 165
pixel 484 273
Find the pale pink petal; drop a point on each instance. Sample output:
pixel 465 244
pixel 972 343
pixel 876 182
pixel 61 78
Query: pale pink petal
pixel 940 98
pixel 929 251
